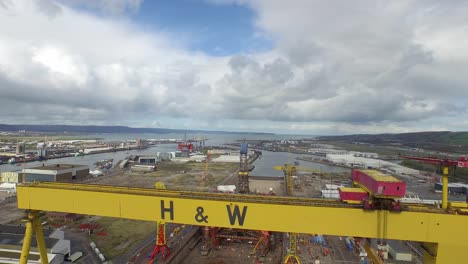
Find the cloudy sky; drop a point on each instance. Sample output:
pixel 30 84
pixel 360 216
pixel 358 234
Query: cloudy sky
pixel 296 67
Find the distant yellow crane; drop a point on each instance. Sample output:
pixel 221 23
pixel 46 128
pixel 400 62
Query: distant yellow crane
pixel 292 257
pixel 205 173
pixel 290 171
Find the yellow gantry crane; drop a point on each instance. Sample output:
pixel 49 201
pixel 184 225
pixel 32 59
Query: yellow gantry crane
pixel 292 257
pixel 290 171
pixel 444 233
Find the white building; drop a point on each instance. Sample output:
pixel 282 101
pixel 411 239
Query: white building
pixel 369 163
pixel 227 158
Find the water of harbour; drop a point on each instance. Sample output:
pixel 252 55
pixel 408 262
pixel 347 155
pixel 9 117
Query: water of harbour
pixel 91 159
pixel 213 139
pixel 263 166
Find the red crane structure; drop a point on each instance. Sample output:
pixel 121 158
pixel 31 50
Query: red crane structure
pixel 161 244
pixel 462 162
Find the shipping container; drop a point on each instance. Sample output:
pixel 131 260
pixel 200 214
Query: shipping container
pixel 379 184
pixel 75 256
pixel 353 195
pixel 101 257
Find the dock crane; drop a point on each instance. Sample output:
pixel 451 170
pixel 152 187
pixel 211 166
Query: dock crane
pixel 205 172
pixel 290 171
pixel 292 257
pixel 243 174
pixel 445 164
pixel 161 243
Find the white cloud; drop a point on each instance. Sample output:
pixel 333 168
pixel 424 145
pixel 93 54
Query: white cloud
pixel 337 66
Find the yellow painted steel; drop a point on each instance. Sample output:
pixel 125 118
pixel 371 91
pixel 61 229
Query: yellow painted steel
pixel 33 224
pixel 380 176
pixel 292 257
pixel 26 243
pixel 290 171
pixel 444 187
pixel 351 189
pixel 371 253
pixel 40 238
pixel 461 205
pixel 449 232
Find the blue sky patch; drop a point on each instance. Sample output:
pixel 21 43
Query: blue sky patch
pixel 214 29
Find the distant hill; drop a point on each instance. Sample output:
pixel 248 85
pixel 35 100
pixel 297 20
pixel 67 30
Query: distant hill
pixel 105 129
pixel 436 138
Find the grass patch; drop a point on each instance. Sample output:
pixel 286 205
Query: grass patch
pixel 121 234
pixel 364 148
pixel 456 138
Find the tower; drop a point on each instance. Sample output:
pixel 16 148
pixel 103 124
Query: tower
pixel 243 174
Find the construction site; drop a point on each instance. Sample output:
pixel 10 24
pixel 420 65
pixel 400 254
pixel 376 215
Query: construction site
pixel 227 216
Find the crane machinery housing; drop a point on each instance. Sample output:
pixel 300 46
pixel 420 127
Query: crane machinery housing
pixel 243 174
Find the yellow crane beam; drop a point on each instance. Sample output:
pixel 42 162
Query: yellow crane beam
pixel 445 235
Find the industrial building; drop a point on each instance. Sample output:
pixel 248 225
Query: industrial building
pixel 143 168
pixel 55 173
pixel 455 188
pixel 140 143
pixel 148 160
pixel 20 149
pixel 351 160
pixel 227 158
pixel 11 241
pixel 11 176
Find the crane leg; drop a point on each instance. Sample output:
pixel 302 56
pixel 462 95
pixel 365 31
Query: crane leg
pixel 33 225
pixel 26 242
pixel 444 187
pixel 444 253
pixel 161 243
pixel 40 238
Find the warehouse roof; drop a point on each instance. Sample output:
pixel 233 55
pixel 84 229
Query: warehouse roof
pixel 59 167
pixel 19 230
pixel 17 240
